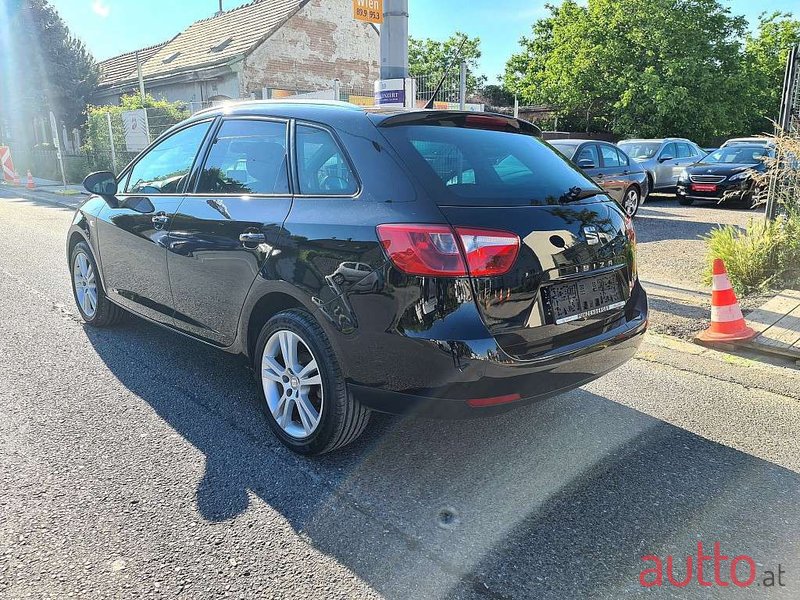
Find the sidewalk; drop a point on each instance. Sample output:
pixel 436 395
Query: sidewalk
pixel 56 186
pixel 47 191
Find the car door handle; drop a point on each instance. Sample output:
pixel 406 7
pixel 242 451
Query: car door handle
pixel 160 219
pixel 250 237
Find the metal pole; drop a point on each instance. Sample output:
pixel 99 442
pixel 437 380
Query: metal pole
pixel 111 141
pixel 784 119
pixel 337 89
pixel 516 106
pixel 784 122
pixel 147 126
pixel 141 79
pixel 462 85
pixel 394 40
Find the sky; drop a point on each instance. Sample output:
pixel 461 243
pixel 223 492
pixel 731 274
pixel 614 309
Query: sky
pixel 110 27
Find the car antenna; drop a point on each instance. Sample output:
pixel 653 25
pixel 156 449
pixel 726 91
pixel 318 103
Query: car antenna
pixel 430 102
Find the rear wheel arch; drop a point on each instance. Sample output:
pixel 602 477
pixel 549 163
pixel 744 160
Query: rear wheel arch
pixel 265 308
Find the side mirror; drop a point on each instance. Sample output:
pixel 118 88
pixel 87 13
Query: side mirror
pixel 665 158
pixel 586 163
pixel 102 183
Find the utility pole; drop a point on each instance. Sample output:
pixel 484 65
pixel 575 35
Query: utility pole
pixel 395 87
pixel 220 9
pixel 141 79
pixel 394 40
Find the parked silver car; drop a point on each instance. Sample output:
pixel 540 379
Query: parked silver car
pixel 760 140
pixel 663 160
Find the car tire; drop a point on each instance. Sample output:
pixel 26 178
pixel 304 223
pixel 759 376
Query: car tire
pixel 337 418
pixel 684 201
pixel 93 305
pixel 631 201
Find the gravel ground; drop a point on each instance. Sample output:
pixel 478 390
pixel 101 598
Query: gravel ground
pixel 671 252
pixel 136 464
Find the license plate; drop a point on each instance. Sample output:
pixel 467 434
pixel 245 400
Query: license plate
pixel 704 187
pixel 584 298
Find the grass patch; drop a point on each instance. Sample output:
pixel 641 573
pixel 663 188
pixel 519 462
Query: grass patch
pixel 764 257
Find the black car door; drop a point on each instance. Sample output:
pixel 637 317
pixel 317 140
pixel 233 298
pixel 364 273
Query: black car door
pixel 225 230
pixel 132 234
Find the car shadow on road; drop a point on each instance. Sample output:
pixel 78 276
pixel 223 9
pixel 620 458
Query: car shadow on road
pixel 559 499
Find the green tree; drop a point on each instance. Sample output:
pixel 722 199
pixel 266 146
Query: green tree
pixel 765 62
pixel 636 67
pixel 432 57
pixel 496 95
pixel 45 67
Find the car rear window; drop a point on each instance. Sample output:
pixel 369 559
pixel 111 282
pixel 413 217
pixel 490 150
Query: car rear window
pixel 464 166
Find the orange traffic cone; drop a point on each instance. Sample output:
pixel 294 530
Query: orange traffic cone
pixel 16 178
pixel 727 322
pixel 30 185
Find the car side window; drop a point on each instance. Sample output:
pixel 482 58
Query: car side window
pixel 685 151
pixel 248 156
pixel 322 167
pixel 669 150
pixel 623 160
pixel 588 152
pixel 610 156
pixel 165 168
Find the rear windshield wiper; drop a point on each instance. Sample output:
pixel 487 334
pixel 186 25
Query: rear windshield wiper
pixel 577 193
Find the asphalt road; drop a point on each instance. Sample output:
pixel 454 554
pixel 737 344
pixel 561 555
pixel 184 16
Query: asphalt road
pixel 136 464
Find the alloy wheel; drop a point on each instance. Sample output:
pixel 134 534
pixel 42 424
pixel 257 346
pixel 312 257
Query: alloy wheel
pixel 631 202
pixel 292 384
pixel 83 276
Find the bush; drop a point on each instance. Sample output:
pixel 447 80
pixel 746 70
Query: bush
pixel 766 256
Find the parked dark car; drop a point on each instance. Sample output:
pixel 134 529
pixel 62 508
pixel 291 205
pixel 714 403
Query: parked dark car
pixel 428 262
pixel 610 168
pixel 723 175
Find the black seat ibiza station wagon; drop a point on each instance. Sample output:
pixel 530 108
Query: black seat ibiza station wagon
pixel 430 262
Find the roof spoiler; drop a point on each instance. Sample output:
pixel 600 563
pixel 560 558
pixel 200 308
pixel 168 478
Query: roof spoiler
pixel 468 120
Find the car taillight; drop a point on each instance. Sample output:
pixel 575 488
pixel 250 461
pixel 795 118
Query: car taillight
pixel 489 253
pixel 439 250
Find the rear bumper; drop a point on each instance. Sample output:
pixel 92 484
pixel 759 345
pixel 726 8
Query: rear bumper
pixel 478 378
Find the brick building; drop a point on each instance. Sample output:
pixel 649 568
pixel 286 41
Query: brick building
pixel 265 49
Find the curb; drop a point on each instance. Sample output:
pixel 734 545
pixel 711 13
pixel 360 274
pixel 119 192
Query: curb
pixel 720 352
pixel 72 201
